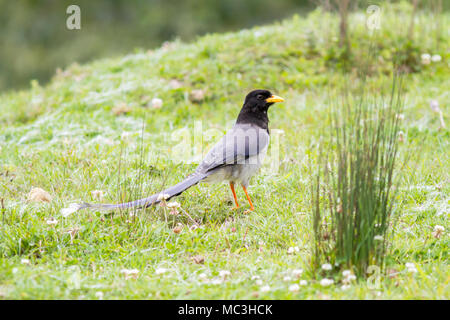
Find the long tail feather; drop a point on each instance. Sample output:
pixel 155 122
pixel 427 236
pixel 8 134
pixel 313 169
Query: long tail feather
pixel 141 203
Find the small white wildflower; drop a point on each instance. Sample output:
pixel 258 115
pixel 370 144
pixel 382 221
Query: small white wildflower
pixel 294 287
pixel 216 281
pixel 52 221
pixel 257 34
pixel 434 105
pixel 97 194
pixel 327 266
pixel 259 282
pixel 197 95
pixel 173 204
pixel 438 231
pixel 256 277
pixel 345 287
pixel 410 265
pixel 351 277
pixel 293 249
pixel 303 282
pixel 160 270
pixel 436 58
pixel 426 58
pixel 264 288
pixel 202 276
pixel 297 272
pixel 412 270
pixel 287 278
pixel 99 295
pixel 378 238
pixel 326 282
pixel 346 273
pixel 157 103
pixel 224 273
pixel 130 273
pixel 163 196
pixel 175 84
pixel 25 261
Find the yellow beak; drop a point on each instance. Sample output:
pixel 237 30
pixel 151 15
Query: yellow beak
pixel 274 98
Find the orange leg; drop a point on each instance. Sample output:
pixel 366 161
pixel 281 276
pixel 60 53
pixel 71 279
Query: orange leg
pixel 234 194
pixel 248 198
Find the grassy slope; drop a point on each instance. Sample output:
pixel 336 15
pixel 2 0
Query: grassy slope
pixel 65 138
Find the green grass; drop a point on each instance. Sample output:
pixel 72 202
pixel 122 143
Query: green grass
pixel 63 137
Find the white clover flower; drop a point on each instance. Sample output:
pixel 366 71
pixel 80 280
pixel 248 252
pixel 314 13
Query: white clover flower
pixel 326 282
pixel 410 265
pixel 216 281
pixel 327 266
pixel 264 288
pixel 52 221
pixel 293 249
pixel 412 270
pixel 157 103
pixel 436 58
pixel 297 272
pixel 175 84
pixel 351 277
pixel 434 105
pixel 258 33
pixel 163 196
pixel 346 273
pixel 173 204
pixel 426 58
pixel 97 194
pixel 130 273
pixel 378 238
pixel 99 295
pixel 438 231
pixel 224 273
pixel 294 287
pixel 202 276
pixel 197 95
pixel 161 270
pixel 303 282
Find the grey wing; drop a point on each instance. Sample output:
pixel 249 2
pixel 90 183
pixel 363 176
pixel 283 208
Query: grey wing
pixel 240 145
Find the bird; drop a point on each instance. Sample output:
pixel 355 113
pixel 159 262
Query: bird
pixel 235 158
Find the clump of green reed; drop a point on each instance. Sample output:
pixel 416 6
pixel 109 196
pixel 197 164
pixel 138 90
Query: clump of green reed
pixel 353 186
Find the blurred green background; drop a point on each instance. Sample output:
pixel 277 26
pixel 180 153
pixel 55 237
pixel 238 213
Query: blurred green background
pixel 34 40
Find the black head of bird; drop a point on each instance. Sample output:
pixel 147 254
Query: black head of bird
pixel 256 105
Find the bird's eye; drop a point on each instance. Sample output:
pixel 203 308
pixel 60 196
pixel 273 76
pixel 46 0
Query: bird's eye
pixel 260 97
